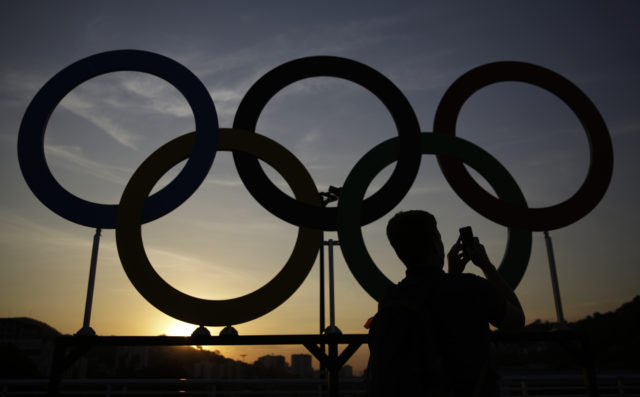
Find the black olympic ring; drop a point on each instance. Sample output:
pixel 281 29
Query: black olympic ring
pixel 34 123
pixel 135 208
pixel 202 311
pixel 509 214
pixel 325 218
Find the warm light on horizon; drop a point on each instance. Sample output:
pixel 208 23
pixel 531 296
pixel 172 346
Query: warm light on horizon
pixel 179 328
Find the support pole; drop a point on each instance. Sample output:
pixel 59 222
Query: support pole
pixel 322 309
pixel 554 278
pixel 333 366
pixel 332 304
pixel 332 329
pixel 86 328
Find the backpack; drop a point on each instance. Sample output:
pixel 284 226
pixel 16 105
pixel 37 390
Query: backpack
pixel 405 357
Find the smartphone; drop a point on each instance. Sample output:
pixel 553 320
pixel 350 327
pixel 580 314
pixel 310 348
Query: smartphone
pixel 466 236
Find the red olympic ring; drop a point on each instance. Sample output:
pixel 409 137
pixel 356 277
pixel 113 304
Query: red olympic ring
pixel 500 211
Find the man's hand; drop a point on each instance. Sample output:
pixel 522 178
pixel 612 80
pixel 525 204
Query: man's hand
pixel 457 258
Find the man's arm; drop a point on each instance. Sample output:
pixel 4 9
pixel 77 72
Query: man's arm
pixel 458 257
pixel 514 315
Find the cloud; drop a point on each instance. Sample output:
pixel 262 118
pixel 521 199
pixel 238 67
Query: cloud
pixel 205 65
pixel 224 182
pixel 229 76
pixel 428 190
pixel 170 259
pixel 624 128
pixel 240 224
pixel 9 138
pixel 17 229
pixel 160 98
pixel 101 101
pixel 111 102
pixel 226 101
pixel 77 104
pixel 18 87
pixel 232 74
pixel 74 155
pixel 353 35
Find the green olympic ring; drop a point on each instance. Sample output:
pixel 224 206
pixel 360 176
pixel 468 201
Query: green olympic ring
pixel 517 253
pixel 214 312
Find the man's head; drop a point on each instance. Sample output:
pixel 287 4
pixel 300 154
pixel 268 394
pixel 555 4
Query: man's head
pixel 415 238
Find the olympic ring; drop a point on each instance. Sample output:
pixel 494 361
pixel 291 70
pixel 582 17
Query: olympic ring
pixel 31 136
pixel 305 211
pixel 355 253
pixel 325 218
pixel 508 214
pixel 214 312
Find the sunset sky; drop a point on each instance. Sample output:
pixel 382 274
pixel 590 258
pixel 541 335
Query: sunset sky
pixel 221 243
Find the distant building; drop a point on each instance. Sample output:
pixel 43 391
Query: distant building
pixel 227 369
pixel 134 358
pixel 272 362
pixel 271 367
pixel 346 372
pixel 301 365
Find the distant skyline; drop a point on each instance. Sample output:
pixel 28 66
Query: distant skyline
pixel 221 243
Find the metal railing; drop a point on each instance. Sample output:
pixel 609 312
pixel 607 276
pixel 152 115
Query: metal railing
pixel 180 387
pixel 568 384
pixel 546 384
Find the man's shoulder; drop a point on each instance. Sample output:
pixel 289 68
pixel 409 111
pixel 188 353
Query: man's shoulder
pixel 437 281
pixel 464 278
pixel 467 286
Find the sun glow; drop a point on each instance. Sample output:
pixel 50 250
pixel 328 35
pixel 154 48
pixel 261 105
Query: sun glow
pixel 179 328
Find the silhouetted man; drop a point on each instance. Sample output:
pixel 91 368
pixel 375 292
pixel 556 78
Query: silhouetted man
pixel 431 333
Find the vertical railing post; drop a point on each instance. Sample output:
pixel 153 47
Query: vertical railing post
pixel 332 328
pixel 590 375
pixel 332 302
pixel 334 369
pixel 322 301
pixel 523 386
pixel 554 278
pixel 86 327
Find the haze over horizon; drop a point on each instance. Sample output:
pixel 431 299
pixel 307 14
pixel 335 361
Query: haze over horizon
pixel 221 243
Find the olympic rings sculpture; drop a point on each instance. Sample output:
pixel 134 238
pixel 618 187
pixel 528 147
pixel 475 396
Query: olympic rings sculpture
pixel 137 207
